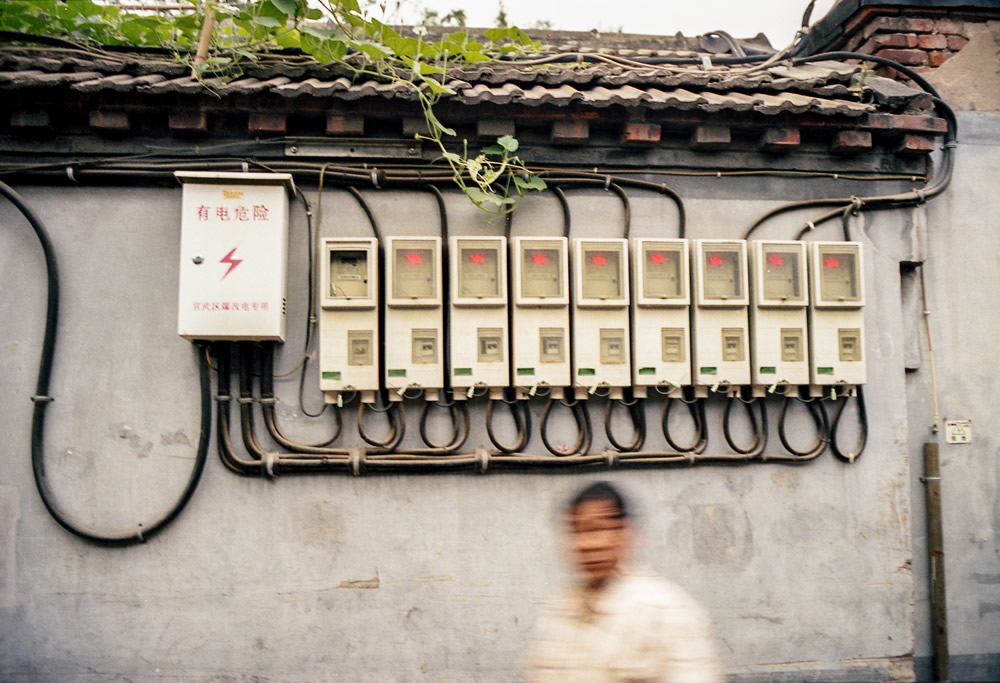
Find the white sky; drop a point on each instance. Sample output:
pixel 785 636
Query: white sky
pixel 777 19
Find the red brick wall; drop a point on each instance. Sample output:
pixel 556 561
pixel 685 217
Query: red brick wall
pixel 919 42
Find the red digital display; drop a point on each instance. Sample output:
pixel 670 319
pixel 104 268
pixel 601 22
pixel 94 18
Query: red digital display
pixel 657 257
pixel 477 258
pixel 775 260
pixel 715 260
pixel 831 262
pixel 598 260
pixel 413 257
pixel 539 258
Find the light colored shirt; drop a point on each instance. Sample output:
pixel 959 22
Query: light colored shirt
pixel 638 627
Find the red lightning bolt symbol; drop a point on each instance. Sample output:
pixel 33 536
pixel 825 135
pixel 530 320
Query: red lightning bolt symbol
pixel 233 262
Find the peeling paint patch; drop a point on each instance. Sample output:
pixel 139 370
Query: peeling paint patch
pixel 135 442
pixel 785 479
pixel 362 584
pixel 175 438
pixel 10 512
pixel 720 535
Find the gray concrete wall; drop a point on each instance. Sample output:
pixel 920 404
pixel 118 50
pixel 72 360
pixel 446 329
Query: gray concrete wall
pixel 806 571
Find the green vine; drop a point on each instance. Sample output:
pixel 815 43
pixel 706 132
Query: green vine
pixel 339 31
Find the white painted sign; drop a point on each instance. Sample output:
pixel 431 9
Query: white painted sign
pixel 958 431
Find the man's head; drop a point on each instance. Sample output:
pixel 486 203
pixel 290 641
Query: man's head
pixel 600 532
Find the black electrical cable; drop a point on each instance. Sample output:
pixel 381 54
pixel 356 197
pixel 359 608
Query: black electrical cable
pixel 460 422
pixel 581 416
pixel 818 414
pixel 696 407
pixel 41 400
pixel 522 423
pixel 267 401
pixel 759 427
pixel 637 414
pixel 395 413
pixel 850 456
pixel 556 178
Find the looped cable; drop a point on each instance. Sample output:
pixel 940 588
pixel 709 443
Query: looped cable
pixel 638 417
pixel 818 414
pixel 582 418
pixel 696 408
pixel 850 456
pixel 522 423
pixel 759 428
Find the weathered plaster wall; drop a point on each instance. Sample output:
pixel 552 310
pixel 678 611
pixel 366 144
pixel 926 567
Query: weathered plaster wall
pixel 805 571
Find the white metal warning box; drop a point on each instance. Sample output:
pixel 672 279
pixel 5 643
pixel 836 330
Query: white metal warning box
pixel 234 255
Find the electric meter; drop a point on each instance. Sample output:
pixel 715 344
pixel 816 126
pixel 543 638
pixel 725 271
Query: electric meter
pixel 348 317
pixel 601 316
pixel 478 321
pixel 413 315
pixel 778 314
pixel 721 341
pixel 660 318
pixel 234 253
pixel 836 317
pixel 540 339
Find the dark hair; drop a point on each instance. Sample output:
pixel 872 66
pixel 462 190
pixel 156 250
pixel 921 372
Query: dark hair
pixel 600 490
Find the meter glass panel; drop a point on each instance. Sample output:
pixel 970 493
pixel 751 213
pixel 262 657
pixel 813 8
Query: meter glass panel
pixel 602 271
pixel 478 273
pixel 781 272
pixel 349 274
pixel 662 275
pixel 541 271
pixel 839 279
pixel 721 274
pixel 413 271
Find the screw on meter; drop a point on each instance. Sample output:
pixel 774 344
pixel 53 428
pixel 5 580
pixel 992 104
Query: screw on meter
pixel 414 271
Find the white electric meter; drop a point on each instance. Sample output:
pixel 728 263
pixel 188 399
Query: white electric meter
pixel 836 317
pixel 778 314
pixel 234 255
pixel 478 316
pixel 720 333
pixel 413 316
pixel 660 319
pixel 540 339
pixel 348 317
pixel 601 315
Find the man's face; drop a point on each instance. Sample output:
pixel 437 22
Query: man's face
pixel 598 538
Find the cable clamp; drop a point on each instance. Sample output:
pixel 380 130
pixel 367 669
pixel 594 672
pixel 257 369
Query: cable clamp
pixel 245 400
pixel 811 225
pixel 42 399
pixel 706 62
pixel 856 205
pixel 692 458
pixel 951 144
pixel 223 398
pixel 268 462
pixel 246 167
pixel 611 457
pixel 836 176
pixel 374 175
pixel 356 455
pixel 921 195
pixel 924 480
pixel 607 182
pixel 138 534
pixel 484 460
pixel 71 175
pixel 269 401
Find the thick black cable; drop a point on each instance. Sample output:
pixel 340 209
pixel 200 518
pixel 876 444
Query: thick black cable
pixel 268 400
pixel 818 414
pixel 42 399
pixel 522 423
pixel 850 456
pixel 458 411
pixel 637 414
pixel 696 407
pixel 759 427
pixel 396 415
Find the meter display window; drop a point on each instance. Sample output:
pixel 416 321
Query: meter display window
pixel 602 272
pixel 839 279
pixel 478 273
pixel 413 271
pixel 721 274
pixel 349 274
pixel 662 277
pixel 541 272
pixel 782 274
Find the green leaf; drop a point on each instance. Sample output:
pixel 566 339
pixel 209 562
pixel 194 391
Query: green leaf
pixel 508 142
pixel 530 183
pixel 314 14
pixel 480 197
pixel 270 22
pixel 289 40
pixel 321 33
pixel 437 88
pixel 451 156
pixel 286 6
pixel 492 149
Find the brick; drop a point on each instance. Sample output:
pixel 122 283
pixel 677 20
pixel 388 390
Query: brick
pixel 904 122
pixel 340 124
pixel 710 137
pixel 570 132
pixel 187 120
pixel 899 25
pixel 106 120
pixel 780 139
pixel 30 120
pixel 936 59
pixel 956 43
pixel 905 57
pixel 851 142
pixel 638 133
pixel 950 26
pixel 915 144
pixel 491 129
pixel 932 41
pixel 267 123
pixel 918 25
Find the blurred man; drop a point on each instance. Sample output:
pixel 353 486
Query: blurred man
pixel 618 622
